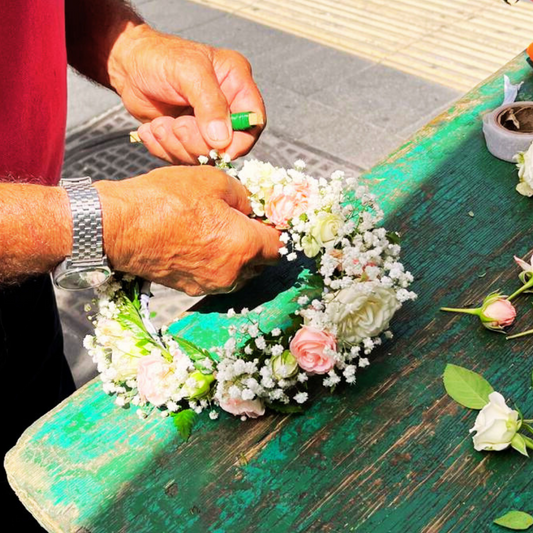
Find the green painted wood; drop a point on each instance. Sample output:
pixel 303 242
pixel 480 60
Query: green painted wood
pixel 392 454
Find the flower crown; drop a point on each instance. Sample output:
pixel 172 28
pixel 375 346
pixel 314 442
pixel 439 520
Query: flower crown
pixel 342 311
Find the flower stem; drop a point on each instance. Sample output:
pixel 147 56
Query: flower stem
pixel 527 426
pixel 523 288
pixel 529 444
pixel 523 334
pixel 465 311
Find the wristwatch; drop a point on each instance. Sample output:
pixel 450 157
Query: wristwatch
pixel 87 267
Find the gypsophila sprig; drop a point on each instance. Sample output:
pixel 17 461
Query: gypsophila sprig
pixel 344 310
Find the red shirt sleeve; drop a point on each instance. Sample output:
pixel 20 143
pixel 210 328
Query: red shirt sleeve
pixel 33 90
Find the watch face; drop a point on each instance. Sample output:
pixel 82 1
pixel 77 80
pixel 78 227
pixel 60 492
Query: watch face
pixel 80 278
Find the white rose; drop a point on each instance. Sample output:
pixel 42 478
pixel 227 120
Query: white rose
pixel 124 364
pixel 326 227
pixel 310 246
pixel 360 313
pixel 325 230
pixel 525 172
pixel 125 356
pixel 496 425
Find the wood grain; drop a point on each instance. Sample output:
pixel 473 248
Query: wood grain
pixel 392 454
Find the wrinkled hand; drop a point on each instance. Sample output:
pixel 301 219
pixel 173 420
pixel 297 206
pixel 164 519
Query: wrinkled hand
pixel 186 228
pixel 187 90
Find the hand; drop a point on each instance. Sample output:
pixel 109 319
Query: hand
pixel 186 228
pixel 187 90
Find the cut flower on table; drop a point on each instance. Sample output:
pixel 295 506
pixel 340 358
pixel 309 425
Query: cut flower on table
pixel 497 426
pixel 525 172
pixel 496 312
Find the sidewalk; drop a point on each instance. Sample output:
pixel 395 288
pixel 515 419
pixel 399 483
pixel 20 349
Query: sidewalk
pixel 328 107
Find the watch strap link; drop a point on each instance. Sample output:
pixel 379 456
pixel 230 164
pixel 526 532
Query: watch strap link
pixel 87 245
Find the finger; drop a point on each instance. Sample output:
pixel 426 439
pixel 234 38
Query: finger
pixel 268 243
pixel 151 143
pixel 236 196
pixel 210 106
pixel 187 132
pixel 179 138
pixel 242 143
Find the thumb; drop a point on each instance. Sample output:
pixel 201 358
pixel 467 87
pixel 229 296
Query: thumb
pixel 210 106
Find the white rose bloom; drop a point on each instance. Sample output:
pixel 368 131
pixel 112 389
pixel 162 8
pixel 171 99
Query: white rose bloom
pixel 496 425
pixel 360 313
pixel 525 172
pixel 126 355
pixel 310 246
pixel 326 227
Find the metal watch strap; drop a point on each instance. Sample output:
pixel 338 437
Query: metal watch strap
pixel 87 238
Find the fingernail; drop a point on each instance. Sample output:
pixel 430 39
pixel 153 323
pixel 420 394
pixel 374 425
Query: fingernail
pixel 160 133
pixel 218 131
pixel 143 131
pixel 182 133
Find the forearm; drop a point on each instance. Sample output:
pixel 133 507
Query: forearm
pixel 35 229
pixel 97 33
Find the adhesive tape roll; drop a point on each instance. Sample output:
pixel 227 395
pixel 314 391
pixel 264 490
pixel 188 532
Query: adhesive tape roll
pixel 509 130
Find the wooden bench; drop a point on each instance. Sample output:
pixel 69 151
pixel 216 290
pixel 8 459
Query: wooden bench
pixel 393 453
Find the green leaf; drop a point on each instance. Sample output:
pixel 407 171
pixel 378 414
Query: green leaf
pixel 519 444
pixel 517 520
pixel 193 351
pixel 393 237
pixel 286 408
pixel 184 422
pixel 466 387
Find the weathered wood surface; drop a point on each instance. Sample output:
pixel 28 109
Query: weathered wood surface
pixel 392 454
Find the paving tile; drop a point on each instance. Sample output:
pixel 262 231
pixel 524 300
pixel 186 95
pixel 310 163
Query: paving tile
pixel 325 128
pixel 249 38
pixel 316 67
pixel 175 16
pixel 385 97
pixel 346 137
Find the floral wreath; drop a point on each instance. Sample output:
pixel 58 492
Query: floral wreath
pixel 343 310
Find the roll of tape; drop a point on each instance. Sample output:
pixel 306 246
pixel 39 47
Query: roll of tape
pixel 502 130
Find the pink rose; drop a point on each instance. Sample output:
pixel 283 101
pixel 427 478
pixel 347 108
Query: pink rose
pixel 238 407
pixel 309 347
pixel 500 313
pixel 151 379
pixel 283 206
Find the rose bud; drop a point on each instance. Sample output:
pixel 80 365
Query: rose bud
pixel 284 366
pixel 496 313
pixel 198 385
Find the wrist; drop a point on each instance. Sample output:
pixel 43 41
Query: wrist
pixel 115 216
pixel 63 242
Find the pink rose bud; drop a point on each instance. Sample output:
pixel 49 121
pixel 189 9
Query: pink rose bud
pixel 496 313
pixel 312 348
pixel 499 313
pixel 238 407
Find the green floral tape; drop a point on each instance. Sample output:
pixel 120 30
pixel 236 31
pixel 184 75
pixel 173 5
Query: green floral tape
pixel 240 121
